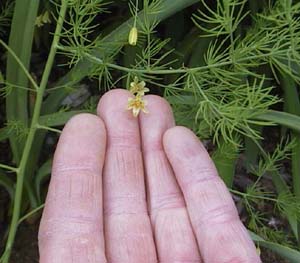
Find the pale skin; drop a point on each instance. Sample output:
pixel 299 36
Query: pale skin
pixel 137 190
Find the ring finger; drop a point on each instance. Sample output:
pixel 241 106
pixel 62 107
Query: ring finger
pixel 175 241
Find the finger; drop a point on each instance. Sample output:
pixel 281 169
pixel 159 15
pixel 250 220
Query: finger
pixel 128 233
pixel 174 238
pixel 71 228
pixel 221 235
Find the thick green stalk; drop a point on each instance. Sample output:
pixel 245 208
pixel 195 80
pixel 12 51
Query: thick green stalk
pixel 31 135
pixel 20 41
pixel 292 105
pixel 225 157
pixel 251 149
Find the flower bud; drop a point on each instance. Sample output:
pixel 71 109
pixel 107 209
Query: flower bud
pixel 133 36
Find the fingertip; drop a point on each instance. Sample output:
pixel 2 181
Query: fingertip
pixel 83 139
pixel 122 127
pixel 85 122
pixel 158 105
pixel 156 122
pixel 180 137
pixel 187 155
pixel 112 100
pixel 175 131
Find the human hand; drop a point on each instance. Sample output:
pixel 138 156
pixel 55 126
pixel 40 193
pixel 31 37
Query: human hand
pixel 161 199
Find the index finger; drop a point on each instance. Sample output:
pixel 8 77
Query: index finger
pixel 71 228
pixel 220 233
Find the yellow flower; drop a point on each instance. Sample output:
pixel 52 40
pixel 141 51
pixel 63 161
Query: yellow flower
pixel 133 36
pixel 46 18
pixel 43 19
pixel 138 88
pixel 38 21
pixel 137 104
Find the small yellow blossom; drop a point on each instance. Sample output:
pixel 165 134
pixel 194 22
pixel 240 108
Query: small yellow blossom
pixel 137 104
pixel 38 21
pixel 46 18
pixel 138 88
pixel 43 19
pixel 133 36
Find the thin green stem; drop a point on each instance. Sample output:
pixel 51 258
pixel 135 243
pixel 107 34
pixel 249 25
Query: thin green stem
pixel 7 167
pixel 281 187
pixel 48 128
pixel 172 71
pixel 149 50
pixel 13 54
pixel 254 196
pixel 56 88
pixel 32 212
pixel 31 135
pixel 136 12
pixel 18 86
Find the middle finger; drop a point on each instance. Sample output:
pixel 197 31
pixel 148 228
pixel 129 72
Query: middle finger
pixel 128 234
pixel 174 237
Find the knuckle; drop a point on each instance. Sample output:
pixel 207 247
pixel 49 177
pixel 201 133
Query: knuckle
pixel 167 201
pixel 218 215
pixel 127 204
pixel 77 227
pixel 199 176
pixel 62 168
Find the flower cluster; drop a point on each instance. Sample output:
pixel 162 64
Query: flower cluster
pixel 137 104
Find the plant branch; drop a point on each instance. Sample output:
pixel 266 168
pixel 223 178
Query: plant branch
pixel 13 54
pixel 31 135
pixel 42 127
pixel 32 212
pixel 176 71
pixel 7 167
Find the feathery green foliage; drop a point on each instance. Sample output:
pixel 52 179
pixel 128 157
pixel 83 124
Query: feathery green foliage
pixel 6 11
pixel 221 71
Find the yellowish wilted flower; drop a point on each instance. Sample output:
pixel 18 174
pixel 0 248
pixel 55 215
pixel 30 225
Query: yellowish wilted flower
pixel 43 19
pixel 133 36
pixel 138 88
pixel 137 104
pixel 46 18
